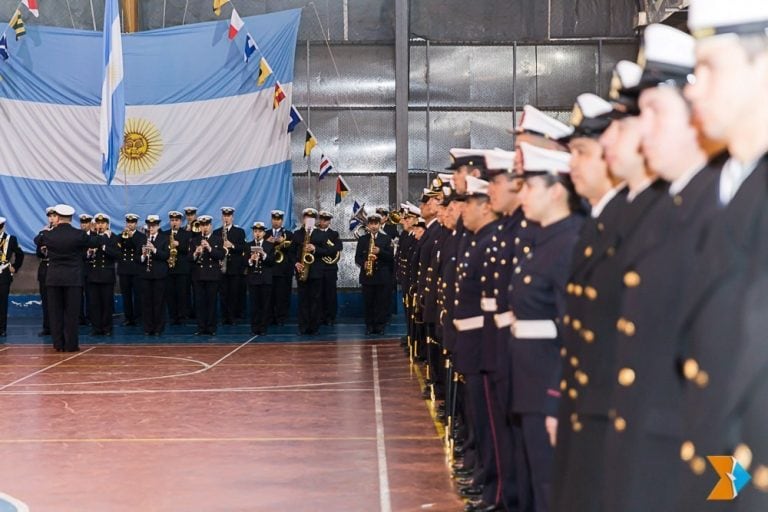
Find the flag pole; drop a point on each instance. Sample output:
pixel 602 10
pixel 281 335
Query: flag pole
pixel 309 123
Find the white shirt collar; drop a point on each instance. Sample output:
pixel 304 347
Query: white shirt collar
pixel 634 193
pixel 732 176
pixel 601 204
pixel 678 185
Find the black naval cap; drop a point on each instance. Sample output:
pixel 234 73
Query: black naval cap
pixel 374 218
pixel 131 217
pixel 466 156
pixel 84 217
pixel 259 225
pixel 190 210
pixel 324 214
pixel 277 214
pixel 669 56
pixel 152 219
pixel 227 210
pixel 309 212
pixel 204 219
pixel 101 217
pixel 173 214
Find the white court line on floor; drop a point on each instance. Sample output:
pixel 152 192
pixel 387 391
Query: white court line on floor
pixel 4 348
pixel 115 381
pixel 205 368
pixel 381 450
pixel 22 379
pixel 259 389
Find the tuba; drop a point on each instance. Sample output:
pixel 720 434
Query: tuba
pixel 371 260
pixel 307 258
pixel 174 252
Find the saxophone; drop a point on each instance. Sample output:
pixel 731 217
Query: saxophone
pixel 371 260
pixel 307 258
pixel 174 252
pixel 226 254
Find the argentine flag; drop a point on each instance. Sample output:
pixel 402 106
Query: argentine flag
pixel 112 121
pixel 197 128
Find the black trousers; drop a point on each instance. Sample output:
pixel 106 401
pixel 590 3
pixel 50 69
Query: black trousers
pixel 84 299
pixel 281 298
pixel 130 289
pixel 153 305
pixel 5 289
pixel 177 296
pixel 309 306
pixel 534 461
pixel 376 298
pixel 261 298
pixel 205 303
pixel 229 293
pixel 64 313
pixel 44 301
pixel 328 296
pixel 100 306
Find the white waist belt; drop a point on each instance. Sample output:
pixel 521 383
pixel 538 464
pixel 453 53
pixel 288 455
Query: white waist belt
pixel 534 329
pixel 488 304
pixel 503 320
pixel 468 324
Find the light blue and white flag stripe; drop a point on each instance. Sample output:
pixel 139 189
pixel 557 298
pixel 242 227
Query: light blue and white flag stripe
pixel 202 131
pixel 112 119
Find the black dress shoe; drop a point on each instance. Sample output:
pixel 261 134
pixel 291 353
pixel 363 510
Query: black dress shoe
pixel 200 333
pixel 368 331
pixel 2 334
pixel 471 490
pixel 147 333
pixel 157 333
pixel 44 333
pixel 212 333
pixel 108 332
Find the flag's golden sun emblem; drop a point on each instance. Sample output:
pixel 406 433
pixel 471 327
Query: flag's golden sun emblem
pixel 142 147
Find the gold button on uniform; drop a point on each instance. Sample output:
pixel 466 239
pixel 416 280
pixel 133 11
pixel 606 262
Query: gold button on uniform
pixel 563 352
pixel 690 369
pixel 588 251
pixel 578 290
pixel 563 385
pixel 582 377
pixel 569 288
pixel 590 292
pixel 620 424
pixel 687 451
pixel 702 379
pixel 576 323
pixel 577 426
pixel 760 478
pixel 743 454
pixel 678 200
pixel 626 377
pixel 629 328
pixel 588 335
pixel 574 361
pixel 631 279
pixel 566 320
pixel 698 466
pixel 527 279
pixel 573 393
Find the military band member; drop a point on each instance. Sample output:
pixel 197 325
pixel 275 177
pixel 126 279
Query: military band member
pixel 87 225
pixel 129 268
pixel 178 282
pixel 190 212
pixel 374 255
pixel 536 297
pixel 330 268
pixel 309 244
pixel 261 257
pixel 154 262
pixel 64 280
pixel 101 277
pixel 233 238
pixel 11 260
pixel 282 271
pixel 206 253
pixel 42 270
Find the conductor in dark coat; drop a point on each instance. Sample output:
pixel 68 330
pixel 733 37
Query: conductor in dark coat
pixel 64 280
pixel 375 256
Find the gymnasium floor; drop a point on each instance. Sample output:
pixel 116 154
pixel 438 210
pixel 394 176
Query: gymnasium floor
pixel 237 423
